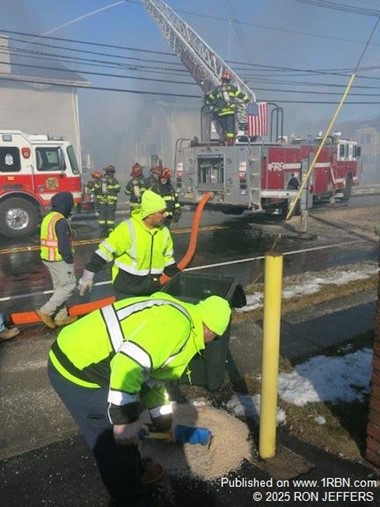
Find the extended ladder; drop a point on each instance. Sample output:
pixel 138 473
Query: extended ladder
pixel 197 56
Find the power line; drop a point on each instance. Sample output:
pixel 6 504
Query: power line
pixel 283 30
pixel 167 94
pixel 118 76
pixel 97 53
pixel 340 7
pixel 168 69
pixel 101 74
pixel 74 59
pixel 76 41
pixel 310 92
pixel 337 72
pixel 91 87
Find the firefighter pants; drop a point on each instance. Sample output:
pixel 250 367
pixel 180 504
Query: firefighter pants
pixel 107 215
pixel 227 124
pixel 119 466
pixel 64 283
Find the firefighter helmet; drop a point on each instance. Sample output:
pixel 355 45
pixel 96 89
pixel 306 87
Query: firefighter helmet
pixel 165 173
pixel 110 169
pixel 226 76
pixel 136 170
pixel 96 175
pixel 156 171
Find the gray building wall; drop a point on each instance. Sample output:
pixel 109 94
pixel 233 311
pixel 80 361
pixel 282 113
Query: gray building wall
pixel 40 109
pixel 39 100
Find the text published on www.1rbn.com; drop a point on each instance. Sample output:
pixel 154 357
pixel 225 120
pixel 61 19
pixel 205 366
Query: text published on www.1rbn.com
pixel 326 489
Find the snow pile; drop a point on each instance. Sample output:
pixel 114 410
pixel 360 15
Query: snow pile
pixel 322 378
pixel 332 379
pixel 309 283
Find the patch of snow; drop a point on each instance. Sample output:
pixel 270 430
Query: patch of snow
pixel 328 378
pixel 246 406
pixel 309 283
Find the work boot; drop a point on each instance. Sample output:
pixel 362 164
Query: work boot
pixel 63 321
pixel 152 473
pixel 8 333
pixel 46 319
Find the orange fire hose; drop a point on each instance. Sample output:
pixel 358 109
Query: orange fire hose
pixel 193 237
pixel 22 318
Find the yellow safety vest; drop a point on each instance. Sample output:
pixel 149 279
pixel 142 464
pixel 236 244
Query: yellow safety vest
pixel 48 237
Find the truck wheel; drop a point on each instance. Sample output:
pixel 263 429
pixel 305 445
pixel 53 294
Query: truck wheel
pixel 347 189
pixel 18 218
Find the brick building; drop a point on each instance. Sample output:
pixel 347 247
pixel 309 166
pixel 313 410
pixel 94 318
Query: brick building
pixel 373 427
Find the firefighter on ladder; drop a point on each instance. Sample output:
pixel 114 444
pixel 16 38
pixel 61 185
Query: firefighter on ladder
pixel 106 195
pixel 224 101
pixel 135 187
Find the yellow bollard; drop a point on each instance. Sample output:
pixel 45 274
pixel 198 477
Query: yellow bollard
pixel 270 354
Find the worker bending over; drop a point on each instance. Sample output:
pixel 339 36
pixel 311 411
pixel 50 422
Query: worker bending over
pixel 109 365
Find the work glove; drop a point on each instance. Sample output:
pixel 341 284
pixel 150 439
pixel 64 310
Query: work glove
pixel 176 215
pixel 86 282
pixel 163 422
pixel 128 434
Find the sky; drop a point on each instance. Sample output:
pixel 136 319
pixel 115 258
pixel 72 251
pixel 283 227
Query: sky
pixel 281 48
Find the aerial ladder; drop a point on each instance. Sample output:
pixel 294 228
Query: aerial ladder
pixel 203 63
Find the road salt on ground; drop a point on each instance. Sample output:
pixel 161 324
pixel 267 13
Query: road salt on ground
pixel 230 445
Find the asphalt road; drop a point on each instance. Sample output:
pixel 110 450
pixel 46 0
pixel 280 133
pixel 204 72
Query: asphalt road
pixel 43 461
pixel 236 244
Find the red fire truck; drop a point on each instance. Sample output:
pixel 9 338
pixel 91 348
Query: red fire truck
pixel 258 176
pixel 254 174
pixel 32 169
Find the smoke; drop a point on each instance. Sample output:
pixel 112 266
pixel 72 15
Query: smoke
pixel 21 11
pixel 124 128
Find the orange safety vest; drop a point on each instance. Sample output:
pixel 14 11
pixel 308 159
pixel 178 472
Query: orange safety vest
pixel 48 237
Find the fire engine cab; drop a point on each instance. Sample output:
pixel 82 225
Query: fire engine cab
pixel 32 169
pixel 258 176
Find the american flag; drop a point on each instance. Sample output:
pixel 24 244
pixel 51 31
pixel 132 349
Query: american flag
pixel 257 113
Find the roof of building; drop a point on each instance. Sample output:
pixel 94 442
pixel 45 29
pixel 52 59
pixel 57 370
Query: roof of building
pixel 24 64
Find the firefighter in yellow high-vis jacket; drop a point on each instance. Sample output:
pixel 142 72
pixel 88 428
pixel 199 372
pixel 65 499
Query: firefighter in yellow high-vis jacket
pixel 109 366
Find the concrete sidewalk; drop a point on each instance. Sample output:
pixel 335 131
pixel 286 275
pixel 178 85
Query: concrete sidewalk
pixel 303 333
pixel 49 464
pixel 27 395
